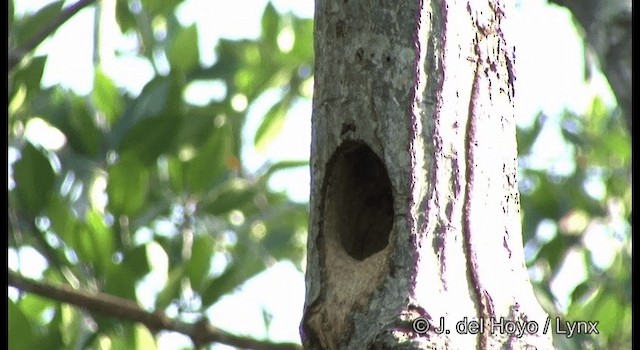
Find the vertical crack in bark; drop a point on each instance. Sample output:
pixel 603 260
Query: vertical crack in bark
pixel 483 301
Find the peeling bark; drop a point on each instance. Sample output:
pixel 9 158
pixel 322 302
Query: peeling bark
pixel 415 216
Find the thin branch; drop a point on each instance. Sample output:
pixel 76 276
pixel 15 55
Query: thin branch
pixel 201 333
pixel 19 53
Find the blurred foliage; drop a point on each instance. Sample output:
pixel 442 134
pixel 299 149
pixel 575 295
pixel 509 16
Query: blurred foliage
pixel 585 212
pixel 150 177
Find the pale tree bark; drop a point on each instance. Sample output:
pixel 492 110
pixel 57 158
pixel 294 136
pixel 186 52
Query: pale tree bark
pixel 414 202
pixel 607 29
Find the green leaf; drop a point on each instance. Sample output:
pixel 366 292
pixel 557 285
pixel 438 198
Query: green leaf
pixel 63 222
pixel 272 123
pixel 34 305
pixel 608 312
pixel 72 115
pixel 127 187
pixel 303 46
pixel 171 290
pixel 143 338
pixel 227 64
pixel 124 17
pixel 233 194
pixel 183 52
pixel 283 225
pixel 575 138
pixel 87 135
pixel 233 276
pixel 136 261
pixel 29 77
pixel 614 149
pixel 106 96
pixel 278 242
pixel 553 251
pixel 252 81
pixel 149 139
pixel 599 111
pixel 21 334
pixel 71 324
pixel 210 163
pixel 121 282
pixel 155 7
pixel 101 241
pixel 82 244
pixel 159 97
pixel 220 286
pixel 579 292
pixel 284 165
pixel 198 266
pixel 543 202
pixel 148 127
pixel 248 260
pixel 125 335
pixel 198 125
pixel 176 174
pixel 32 25
pixel 34 178
pixel 92 240
pixel 527 136
pixel 270 25
pixel 53 337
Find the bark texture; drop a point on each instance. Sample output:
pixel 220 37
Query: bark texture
pixel 415 218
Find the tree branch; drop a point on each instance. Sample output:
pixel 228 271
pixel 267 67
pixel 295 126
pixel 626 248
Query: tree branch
pixel 201 333
pixel 19 53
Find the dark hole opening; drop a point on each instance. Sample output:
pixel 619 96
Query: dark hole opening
pixel 359 200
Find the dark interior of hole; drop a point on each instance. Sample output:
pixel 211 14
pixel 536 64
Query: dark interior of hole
pixel 359 200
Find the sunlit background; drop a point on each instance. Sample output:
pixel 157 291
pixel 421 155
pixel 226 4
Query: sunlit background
pixel 550 78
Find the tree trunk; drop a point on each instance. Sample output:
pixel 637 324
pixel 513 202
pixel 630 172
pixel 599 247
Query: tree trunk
pixel 415 219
